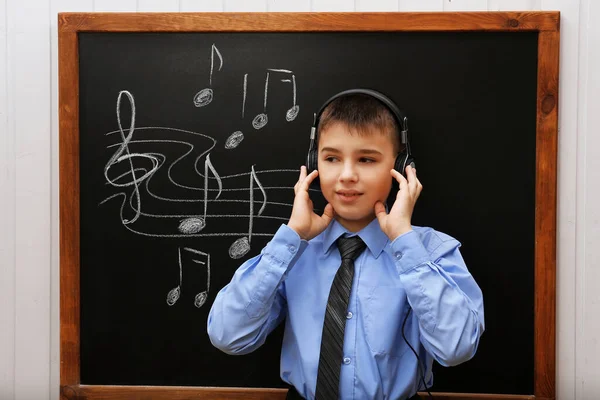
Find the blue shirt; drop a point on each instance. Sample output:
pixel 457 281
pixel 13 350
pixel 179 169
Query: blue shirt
pixel 291 278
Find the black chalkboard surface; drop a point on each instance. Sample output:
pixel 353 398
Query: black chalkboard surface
pixel 151 245
pixel 181 138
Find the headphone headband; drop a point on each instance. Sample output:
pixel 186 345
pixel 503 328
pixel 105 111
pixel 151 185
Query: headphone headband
pixel 399 116
pixel 403 159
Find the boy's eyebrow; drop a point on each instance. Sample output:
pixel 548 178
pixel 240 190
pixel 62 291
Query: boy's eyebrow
pixel 369 151
pixel 361 151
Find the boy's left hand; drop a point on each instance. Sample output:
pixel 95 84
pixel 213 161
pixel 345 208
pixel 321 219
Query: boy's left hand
pixel 397 222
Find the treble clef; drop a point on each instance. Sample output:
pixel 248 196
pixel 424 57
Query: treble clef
pixel 119 156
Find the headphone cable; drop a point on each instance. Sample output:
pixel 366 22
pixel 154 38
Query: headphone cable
pixel 421 368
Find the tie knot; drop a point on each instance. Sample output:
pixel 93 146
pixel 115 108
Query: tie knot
pixel 350 247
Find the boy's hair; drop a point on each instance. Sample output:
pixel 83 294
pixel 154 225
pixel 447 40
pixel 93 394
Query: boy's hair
pixel 361 112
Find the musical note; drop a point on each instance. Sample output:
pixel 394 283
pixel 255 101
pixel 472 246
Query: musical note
pixel 234 140
pixel 241 246
pixel 117 157
pixel 184 148
pixel 194 224
pixel 244 97
pixel 291 113
pixel 201 297
pixel 205 96
pixel 261 119
pixel 236 137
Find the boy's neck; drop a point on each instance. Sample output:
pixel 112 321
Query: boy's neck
pixel 355 225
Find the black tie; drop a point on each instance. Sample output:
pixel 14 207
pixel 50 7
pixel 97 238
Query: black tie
pixel 332 342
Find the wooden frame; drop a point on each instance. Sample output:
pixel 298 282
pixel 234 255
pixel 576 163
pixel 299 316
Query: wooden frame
pixel 70 24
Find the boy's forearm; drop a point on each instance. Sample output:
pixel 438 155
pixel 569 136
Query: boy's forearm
pixel 443 295
pixel 251 305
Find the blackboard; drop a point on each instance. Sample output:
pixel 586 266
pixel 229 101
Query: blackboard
pixel 237 107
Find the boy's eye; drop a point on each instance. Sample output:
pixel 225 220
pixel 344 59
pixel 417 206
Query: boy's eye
pixel 366 160
pixel 330 158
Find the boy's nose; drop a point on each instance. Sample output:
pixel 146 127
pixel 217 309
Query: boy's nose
pixel 348 173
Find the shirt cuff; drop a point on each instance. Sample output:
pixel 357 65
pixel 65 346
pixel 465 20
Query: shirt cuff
pixel 285 245
pixel 408 252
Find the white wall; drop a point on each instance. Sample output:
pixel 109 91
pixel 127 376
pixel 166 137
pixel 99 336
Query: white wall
pixel 29 290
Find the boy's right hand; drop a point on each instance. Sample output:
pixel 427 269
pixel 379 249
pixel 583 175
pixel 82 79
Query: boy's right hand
pixel 304 221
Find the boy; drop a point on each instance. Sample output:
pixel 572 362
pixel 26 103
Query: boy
pixel 411 298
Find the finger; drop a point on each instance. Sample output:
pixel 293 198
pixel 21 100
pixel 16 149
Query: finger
pixel 300 178
pixel 411 174
pixel 302 173
pixel 328 214
pixel 304 185
pixel 397 175
pixel 380 212
pixel 400 178
pixel 419 185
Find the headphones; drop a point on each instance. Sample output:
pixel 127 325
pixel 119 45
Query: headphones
pixel 402 160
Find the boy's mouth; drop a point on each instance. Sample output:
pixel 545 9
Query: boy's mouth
pixel 348 195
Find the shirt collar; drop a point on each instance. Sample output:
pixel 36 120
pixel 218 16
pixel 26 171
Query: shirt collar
pixel 371 234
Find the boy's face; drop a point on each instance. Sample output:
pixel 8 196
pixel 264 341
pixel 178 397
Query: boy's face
pixel 354 172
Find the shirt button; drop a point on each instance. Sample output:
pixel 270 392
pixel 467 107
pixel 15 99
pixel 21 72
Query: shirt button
pixel 291 248
pixel 398 255
pixel 349 315
pixel 346 360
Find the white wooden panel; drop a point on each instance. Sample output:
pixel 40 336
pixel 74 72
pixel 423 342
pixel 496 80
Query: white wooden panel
pixel 588 386
pixel 158 5
pixel 55 7
pixel 115 5
pixel 2 16
pixel 465 5
pixel 588 212
pixel 32 151
pixel 376 5
pixel 332 5
pixel 288 5
pixel 420 5
pixel 29 54
pixel 245 5
pixel 513 5
pixel 27 16
pixel 200 5
pixel 28 49
pixel 7 226
pixel 579 263
pixel 560 5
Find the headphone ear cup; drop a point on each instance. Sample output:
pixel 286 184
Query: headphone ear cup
pixel 401 162
pixel 311 165
pixel 411 161
pixel 311 161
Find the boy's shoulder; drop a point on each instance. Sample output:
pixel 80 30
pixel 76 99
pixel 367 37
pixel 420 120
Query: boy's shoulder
pixel 429 232
pixel 431 238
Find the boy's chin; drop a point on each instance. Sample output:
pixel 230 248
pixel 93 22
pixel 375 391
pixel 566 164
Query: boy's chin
pixel 354 216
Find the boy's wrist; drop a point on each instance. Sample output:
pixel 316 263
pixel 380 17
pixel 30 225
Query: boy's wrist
pixel 399 232
pixel 298 231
